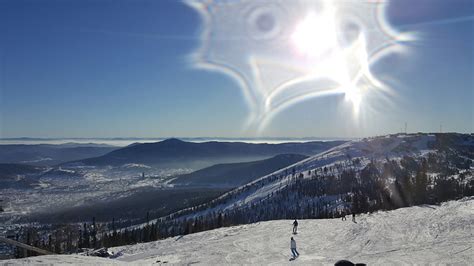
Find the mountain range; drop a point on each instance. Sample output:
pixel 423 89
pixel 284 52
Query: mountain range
pixel 175 152
pixel 50 154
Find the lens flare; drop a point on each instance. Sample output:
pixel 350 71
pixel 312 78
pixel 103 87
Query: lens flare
pixel 314 36
pixel 284 52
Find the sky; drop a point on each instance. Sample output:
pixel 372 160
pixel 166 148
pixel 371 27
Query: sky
pixel 120 68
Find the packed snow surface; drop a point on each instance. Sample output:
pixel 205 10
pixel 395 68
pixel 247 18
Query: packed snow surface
pixel 416 235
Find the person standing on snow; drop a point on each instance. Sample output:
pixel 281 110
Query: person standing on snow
pixel 293 248
pixel 295 226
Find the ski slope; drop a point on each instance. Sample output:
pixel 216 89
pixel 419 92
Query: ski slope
pixel 415 235
pixel 379 149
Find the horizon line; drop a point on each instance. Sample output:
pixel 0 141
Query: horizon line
pixel 220 137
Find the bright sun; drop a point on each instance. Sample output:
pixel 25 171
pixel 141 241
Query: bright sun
pixel 315 35
pixel 315 39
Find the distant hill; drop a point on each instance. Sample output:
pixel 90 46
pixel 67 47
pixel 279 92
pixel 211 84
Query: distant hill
pixel 236 174
pixel 50 154
pixel 198 155
pixel 18 175
pixel 130 206
pixel 10 170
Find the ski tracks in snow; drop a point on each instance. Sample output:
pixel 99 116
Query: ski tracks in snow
pixel 416 235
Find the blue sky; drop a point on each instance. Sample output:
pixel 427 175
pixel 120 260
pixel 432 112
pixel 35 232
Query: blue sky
pixel 118 69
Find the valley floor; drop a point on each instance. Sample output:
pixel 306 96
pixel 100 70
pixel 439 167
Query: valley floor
pixel 416 235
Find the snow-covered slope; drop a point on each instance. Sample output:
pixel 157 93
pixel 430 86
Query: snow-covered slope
pixel 351 156
pixel 415 235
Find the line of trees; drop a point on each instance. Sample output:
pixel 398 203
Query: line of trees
pixel 330 192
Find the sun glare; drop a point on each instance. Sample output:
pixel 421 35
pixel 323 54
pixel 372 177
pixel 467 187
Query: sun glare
pixel 285 52
pixel 354 96
pixel 315 35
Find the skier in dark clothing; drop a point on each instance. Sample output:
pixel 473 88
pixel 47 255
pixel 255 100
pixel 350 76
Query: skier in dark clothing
pixel 354 217
pixel 343 215
pixel 295 226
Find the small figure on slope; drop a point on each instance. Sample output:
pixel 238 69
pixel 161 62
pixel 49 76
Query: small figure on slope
pixel 295 227
pixel 354 217
pixel 293 248
pixel 343 215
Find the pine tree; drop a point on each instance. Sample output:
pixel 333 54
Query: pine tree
pixel 94 233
